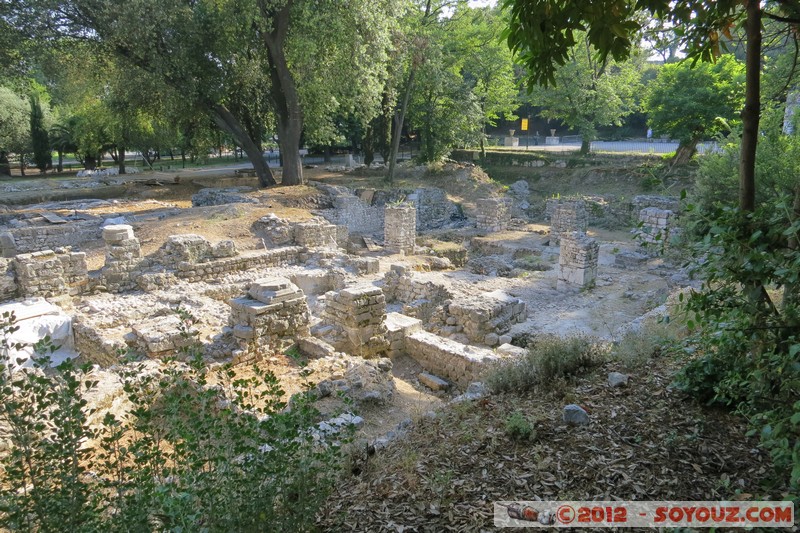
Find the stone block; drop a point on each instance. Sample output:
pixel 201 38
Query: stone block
pixel 433 382
pixel 117 233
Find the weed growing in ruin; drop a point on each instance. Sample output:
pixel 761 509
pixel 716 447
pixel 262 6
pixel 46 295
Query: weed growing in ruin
pixel 518 427
pixel 548 360
pixel 187 456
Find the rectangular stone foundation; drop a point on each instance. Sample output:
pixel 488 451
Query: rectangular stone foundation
pixel 452 360
pixel 577 262
pixel 50 273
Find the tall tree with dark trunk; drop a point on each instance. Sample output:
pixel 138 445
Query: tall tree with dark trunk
pixel 40 141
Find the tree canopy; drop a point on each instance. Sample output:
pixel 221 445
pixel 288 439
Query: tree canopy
pixel 689 102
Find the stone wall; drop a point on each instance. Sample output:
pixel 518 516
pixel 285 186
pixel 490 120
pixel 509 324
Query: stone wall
pixel 454 361
pixel 434 210
pixel 94 346
pixel 577 261
pixel 271 316
pixel 218 268
pixel 483 319
pixel 656 225
pixel 400 234
pixel 493 214
pixel 357 215
pixel 567 216
pixel 667 203
pixel 317 234
pixel 358 315
pixel 8 281
pixel 192 248
pixel 49 274
pixel 36 238
pixel 398 327
pixel 420 298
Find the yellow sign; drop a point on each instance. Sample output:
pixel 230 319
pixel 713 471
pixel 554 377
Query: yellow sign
pixel 524 126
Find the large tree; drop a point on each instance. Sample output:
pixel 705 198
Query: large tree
pixel 542 32
pixel 15 128
pixel 689 102
pixel 590 91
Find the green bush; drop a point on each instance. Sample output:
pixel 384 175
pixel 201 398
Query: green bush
pixel 188 456
pixel 746 342
pixel 549 359
pixel 518 427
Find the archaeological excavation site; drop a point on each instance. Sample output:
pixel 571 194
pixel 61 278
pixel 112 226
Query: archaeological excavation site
pixel 397 299
pixel 379 353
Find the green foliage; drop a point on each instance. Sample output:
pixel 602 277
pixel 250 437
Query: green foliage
pixel 548 360
pixel 518 427
pixel 15 125
pixel 40 141
pixel 691 102
pixel 189 455
pixel 717 183
pixel 589 93
pixel 747 319
pixel 636 348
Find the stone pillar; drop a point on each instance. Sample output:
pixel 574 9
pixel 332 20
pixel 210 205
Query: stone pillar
pixel 358 315
pixel 271 316
pixel 568 216
pixel 655 225
pixel 577 262
pixel 400 229
pixel 123 255
pixel 492 214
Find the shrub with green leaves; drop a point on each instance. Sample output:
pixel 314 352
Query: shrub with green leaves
pixel 187 456
pixel 747 325
pixel 549 359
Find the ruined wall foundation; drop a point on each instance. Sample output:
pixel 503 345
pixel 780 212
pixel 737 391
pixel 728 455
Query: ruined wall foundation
pixel 400 233
pixel 358 316
pixel 567 216
pixel 655 225
pixel 272 314
pixel 493 214
pixel 577 262
pixel 51 273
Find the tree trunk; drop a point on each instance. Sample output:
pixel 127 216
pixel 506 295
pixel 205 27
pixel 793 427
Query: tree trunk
pixel 369 146
pixel 90 162
pixel 586 146
pixel 283 92
pixel 228 123
pixel 5 165
pixel 399 119
pixel 121 159
pixel 60 161
pixel 752 106
pixel 326 154
pixel 685 152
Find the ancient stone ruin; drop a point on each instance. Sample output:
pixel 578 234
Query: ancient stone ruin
pixel 401 229
pixel 577 261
